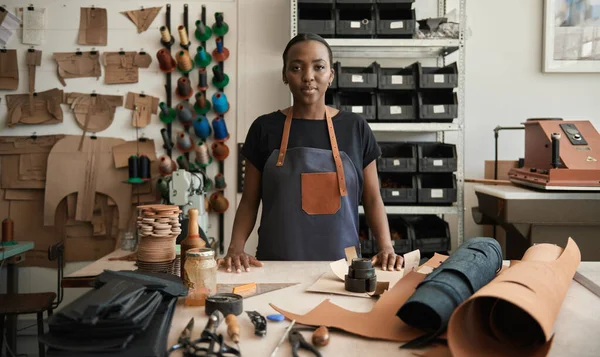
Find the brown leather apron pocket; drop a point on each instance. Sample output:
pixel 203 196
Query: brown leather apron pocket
pixel 320 193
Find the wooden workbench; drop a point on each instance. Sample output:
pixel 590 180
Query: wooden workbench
pixel 576 327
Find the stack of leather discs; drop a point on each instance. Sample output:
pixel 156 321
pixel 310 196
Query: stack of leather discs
pixel 158 227
pixel 361 276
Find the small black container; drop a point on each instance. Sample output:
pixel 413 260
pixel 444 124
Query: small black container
pixel 437 157
pixel 355 20
pixel 362 103
pixel 396 106
pixel 438 77
pixel 398 187
pixel 397 157
pixel 400 233
pixel 357 78
pixel 395 21
pixel 397 78
pixel 430 233
pixel 438 106
pixel 439 189
pixel 316 17
pixel 331 99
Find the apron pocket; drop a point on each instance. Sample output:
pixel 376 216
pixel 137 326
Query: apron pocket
pixel 320 193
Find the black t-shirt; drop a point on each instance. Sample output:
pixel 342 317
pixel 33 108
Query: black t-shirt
pixel 353 134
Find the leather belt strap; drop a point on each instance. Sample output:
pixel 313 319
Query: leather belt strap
pixel 334 147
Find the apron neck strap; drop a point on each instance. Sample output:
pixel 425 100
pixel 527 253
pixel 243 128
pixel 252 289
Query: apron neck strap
pixel 332 140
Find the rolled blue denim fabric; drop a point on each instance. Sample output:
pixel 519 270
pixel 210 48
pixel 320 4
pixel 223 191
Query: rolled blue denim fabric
pixel 474 264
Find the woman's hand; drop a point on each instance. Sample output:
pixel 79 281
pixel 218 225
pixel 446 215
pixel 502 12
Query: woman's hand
pixel 238 259
pixel 388 259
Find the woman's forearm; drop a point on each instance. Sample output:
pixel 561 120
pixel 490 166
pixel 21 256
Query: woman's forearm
pixel 243 224
pixel 377 220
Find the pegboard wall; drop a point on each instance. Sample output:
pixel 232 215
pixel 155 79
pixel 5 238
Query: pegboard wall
pixel 60 35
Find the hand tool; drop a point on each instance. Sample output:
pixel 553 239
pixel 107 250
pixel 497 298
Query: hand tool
pixel 287 330
pixel 259 321
pixel 233 328
pixel 297 341
pixel 184 341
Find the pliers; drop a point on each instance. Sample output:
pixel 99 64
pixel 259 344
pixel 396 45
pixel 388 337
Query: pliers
pixel 297 341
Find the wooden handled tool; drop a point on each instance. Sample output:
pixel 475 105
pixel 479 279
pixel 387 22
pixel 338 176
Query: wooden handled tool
pixel 233 328
pixel 320 337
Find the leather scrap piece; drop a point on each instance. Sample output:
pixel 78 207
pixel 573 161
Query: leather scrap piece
pixel 146 106
pixel 99 109
pixel 33 60
pixel 77 65
pixel 142 18
pixel 93 26
pixel 123 67
pixel 87 172
pixel 44 108
pixel 9 70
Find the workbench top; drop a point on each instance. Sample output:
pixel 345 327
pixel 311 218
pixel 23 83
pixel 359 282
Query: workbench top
pixel 575 328
pixel 508 192
pixel 14 249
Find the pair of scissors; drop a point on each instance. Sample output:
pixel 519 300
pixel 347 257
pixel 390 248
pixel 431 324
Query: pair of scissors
pixel 297 341
pixel 184 341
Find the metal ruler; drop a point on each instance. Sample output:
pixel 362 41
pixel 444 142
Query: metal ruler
pixel 261 288
pixel 587 283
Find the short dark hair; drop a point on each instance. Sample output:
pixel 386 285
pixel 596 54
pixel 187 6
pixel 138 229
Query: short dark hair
pixel 301 37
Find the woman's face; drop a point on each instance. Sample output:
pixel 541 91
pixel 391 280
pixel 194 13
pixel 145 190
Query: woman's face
pixel 308 71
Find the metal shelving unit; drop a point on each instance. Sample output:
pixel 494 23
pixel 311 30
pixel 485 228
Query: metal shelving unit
pixel 415 48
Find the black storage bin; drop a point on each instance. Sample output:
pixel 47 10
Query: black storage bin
pixel 430 233
pixel 394 1
pixel 361 78
pixel 397 157
pixel 438 106
pixel 363 103
pixel 334 82
pixel 355 20
pixel 398 187
pixel 318 18
pixel 396 106
pixel 365 238
pixel 395 21
pixel 316 2
pixel 438 77
pixel 397 78
pixel 400 233
pixel 355 1
pixel 331 99
pixel 437 189
pixel 437 157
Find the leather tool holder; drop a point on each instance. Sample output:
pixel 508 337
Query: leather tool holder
pixel 146 106
pixel 36 108
pixel 142 18
pixel 9 70
pixel 77 65
pixel 93 26
pixel 97 109
pixel 122 67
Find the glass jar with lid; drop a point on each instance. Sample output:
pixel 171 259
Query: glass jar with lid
pixel 200 275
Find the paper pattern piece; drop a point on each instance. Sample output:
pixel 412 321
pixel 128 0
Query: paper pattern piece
pixel 9 70
pixel 121 153
pixel 97 109
pixel 77 65
pixel 9 23
pixel 93 26
pixel 36 108
pixel 379 323
pixel 71 170
pixel 34 25
pixel 142 18
pixel 146 106
pixel 411 261
pixel 33 58
pixel 122 67
pixel 514 314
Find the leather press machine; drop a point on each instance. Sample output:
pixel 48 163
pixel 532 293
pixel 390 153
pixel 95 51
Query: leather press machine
pixel 560 156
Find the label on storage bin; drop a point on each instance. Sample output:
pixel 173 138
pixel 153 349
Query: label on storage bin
pixel 357 78
pixel 439 109
pixel 395 109
pixel 437 193
pixel 397 24
pixel 356 109
pixel 396 162
pixel 397 79
pixel 438 78
pixel 438 162
pixel 355 24
pixel 395 193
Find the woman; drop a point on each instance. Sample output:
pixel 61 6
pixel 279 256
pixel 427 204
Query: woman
pixel 310 187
